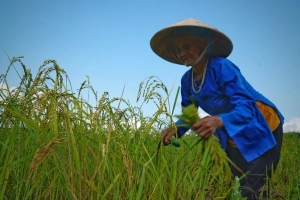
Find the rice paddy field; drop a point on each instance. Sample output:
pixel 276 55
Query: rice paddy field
pixel 55 145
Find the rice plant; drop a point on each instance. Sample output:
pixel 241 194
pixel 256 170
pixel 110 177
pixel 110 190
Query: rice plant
pixel 55 145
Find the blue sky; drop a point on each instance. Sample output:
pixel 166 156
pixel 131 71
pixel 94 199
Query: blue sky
pixel 109 42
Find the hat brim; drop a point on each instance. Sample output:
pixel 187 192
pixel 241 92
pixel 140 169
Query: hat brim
pixel 162 43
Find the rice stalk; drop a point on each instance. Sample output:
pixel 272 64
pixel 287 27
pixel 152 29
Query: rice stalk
pixel 127 163
pixel 214 160
pixel 41 154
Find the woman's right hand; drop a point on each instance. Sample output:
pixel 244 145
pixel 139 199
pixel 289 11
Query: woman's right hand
pixel 166 135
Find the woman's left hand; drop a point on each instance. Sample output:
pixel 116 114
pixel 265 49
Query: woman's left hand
pixel 207 126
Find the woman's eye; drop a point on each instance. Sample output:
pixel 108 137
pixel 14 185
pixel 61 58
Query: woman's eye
pixel 186 47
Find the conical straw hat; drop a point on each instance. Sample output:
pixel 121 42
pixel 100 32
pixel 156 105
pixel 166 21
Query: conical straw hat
pixel 162 43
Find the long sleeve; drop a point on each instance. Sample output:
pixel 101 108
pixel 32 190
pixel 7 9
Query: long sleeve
pixel 242 103
pixel 186 101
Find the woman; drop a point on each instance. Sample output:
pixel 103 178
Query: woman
pixel 248 124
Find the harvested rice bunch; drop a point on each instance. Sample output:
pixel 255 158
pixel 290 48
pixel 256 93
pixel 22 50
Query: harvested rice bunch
pixel 213 162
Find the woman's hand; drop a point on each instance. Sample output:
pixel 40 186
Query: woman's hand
pixel 207 126
pixel 166 135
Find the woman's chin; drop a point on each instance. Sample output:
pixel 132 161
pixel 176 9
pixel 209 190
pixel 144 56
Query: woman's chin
pixel 188 64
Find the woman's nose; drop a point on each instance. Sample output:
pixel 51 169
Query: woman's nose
pixel 181 53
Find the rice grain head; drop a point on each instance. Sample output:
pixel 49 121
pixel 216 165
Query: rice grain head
pixel 41 154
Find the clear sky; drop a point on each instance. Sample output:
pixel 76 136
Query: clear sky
pixel 109 41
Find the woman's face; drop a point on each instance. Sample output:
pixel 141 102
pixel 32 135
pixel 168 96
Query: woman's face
pixel 188 49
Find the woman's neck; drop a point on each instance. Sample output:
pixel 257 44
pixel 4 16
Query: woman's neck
pixel 199 68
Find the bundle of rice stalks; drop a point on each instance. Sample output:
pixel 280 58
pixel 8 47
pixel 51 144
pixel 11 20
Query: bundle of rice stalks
pixel 213 159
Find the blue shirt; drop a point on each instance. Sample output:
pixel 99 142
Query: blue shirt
pixel 227 94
